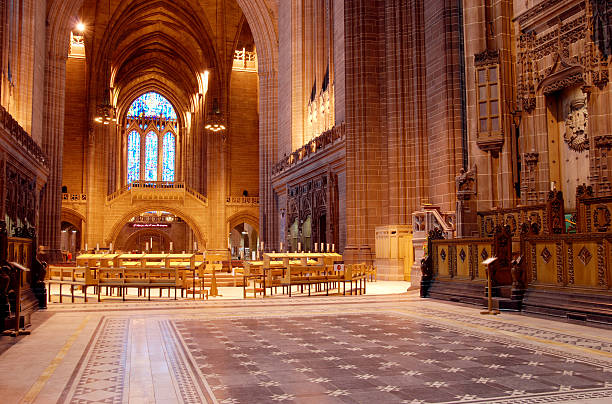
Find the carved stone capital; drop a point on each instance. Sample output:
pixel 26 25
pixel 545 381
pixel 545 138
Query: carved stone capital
pixel 487 57
pixel 491 144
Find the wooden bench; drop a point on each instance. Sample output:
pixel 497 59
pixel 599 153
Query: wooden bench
pixel 354 273
pixel 80 276
pixel 141 278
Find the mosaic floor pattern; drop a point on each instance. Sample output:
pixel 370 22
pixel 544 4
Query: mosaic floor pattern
pixel 391 350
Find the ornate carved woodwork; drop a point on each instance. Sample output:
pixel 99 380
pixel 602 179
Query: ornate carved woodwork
pixel 427 262
pixel 316 198
pixel 555 212
pixel 576 123
pixel 21 202
pixel 593 214
pixel 501 273
pixel 529 189
pixel 467 219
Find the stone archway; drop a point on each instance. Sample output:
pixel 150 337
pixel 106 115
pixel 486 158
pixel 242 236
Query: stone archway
pixel 198 232
pixel 261 15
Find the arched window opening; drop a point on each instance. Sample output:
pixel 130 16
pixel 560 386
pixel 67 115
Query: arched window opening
pixel 169 157
pixel 152 127
pixel 133 157
pixel 151 157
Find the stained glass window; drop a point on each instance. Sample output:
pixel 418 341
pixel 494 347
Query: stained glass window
pixel 133 157
pixel 151 157
pixel 168 157
pixel 152 105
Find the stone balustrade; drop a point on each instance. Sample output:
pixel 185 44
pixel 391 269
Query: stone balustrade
pixel 242 200
pixel 156 190
pixel 75 198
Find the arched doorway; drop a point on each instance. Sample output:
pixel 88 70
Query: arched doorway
pixel 156 231
pixel 70 240
pixel 243 241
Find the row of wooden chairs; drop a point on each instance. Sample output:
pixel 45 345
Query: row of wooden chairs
pixel 318 277
pixel 189 282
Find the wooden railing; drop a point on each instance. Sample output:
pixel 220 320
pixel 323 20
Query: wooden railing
pixel 579 261
pixel 513 217
pixel 22 137
pixel 316 145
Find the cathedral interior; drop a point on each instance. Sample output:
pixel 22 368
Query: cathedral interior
pixel 311 201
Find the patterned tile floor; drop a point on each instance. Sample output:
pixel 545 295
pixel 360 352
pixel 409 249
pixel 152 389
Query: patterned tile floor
pixel 391 349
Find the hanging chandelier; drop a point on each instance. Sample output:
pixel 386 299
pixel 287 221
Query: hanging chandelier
pixel 216 122
pixel 105 114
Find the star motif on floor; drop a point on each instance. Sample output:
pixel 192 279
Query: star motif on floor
pixel 437 384
pixel 388 388
pixel 282 397
pixel 271 383
pixel 366 376
pixel 483 380
pixel 345 367
pixel 411 373
pixel 466 397
pixel 318 380
pixel 337 393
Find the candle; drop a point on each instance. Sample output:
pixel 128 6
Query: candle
pixel 315 247
pixel 195 246
pixel 281 246
pixel 86 247
pixel 327 247
pixel 333 247
pixel 111 247
pixel 97 246
pixel 322 247
pixel 299 246
pixel 151 244
pixel 552 185
pixel 147 246
pixel 171 246
pixel 262 246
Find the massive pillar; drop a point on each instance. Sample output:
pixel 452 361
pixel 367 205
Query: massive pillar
pixel 53 144
pixel 268 134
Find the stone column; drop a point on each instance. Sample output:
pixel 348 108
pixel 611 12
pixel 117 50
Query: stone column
pixel 365 145
pixel 53 146
pixel 268 135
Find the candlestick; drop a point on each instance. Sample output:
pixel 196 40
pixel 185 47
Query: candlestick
pixel 322 247
pixel 147 246
pixel 97 246
pixel 110 248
